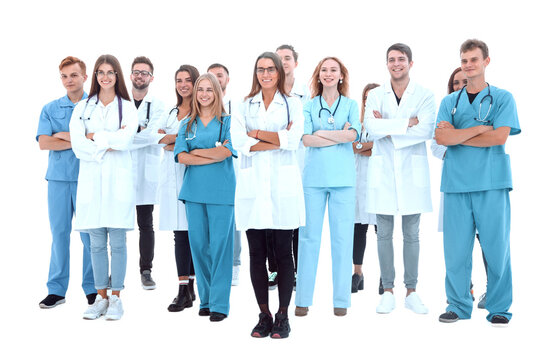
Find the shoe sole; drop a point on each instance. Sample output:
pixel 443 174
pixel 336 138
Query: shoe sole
pixel 113 318
pixel 92 318
pixel 149 287
pixel 273 287
pixel 499 325
pixel 278 336
pixel 448 321
pixel 417 312
pixel 258 335
pixel 44 306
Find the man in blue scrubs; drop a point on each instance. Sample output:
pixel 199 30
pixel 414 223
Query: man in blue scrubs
pixel 474 123
pixel 62 175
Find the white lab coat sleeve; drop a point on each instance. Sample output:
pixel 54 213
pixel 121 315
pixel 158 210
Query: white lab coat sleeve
pixel 438 150
pixel 84 149
pixel 150 136
pixel 380 128
pixel 425 128
pixel 238 131
pixel 123 137
pixel 289 139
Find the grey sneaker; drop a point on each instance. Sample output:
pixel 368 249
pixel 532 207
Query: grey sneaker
pixel 147 281
pixel 273 280
pixel 482 301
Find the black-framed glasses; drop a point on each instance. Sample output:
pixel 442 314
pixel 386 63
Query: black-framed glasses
pixel 110 73
pixel 144 73
pixel 270 69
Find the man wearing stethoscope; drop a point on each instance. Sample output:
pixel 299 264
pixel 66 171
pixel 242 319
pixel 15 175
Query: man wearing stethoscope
pixel 146 158
pixel 474 123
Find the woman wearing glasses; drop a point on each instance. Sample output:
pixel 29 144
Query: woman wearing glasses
pixel 331 125
pixel 172 212
pixel 203 144
pixel 102 129
pixel 266 129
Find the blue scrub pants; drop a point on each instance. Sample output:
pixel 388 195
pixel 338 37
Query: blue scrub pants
pixel 489 212
pixel 341 214
pixel 211 233
pixel 61 207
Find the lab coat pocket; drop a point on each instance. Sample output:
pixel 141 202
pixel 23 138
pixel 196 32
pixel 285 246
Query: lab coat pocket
pixel 420 171
pixel 152 168
pixel 375 169
pixel 289 181
pixel 246 185
pixel 501 173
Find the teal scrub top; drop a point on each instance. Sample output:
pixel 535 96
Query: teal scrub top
pixel 63 165
pixel 330 166
pixel 212 183
pixel 469 168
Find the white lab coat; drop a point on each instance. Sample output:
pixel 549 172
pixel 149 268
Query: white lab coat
pixel 362 215
pixel 105 191
pixel 146 152
pixel 300 91
pixel 269 191
pixel 172 212
pixel 398 183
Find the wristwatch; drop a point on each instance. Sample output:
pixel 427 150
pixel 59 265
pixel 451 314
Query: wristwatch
pixel 359 145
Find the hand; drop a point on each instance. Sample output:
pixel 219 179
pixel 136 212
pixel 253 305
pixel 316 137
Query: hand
pixel 90 136
pixel 253 133
pixel 169 147
pixel 289 126
pixel 445 125
pixel 347 126
pixel 161 131
pixel 225 142
pixel 377 114
pixel 110 149
pixel 413 121
pixel 142 128
pixel 366 153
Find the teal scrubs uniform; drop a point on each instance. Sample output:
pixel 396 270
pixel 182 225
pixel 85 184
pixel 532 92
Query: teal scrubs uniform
pixel 62 176
pixel 208 191
pixel 476 182
pixel 329 177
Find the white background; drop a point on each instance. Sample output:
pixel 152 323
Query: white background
pixel 37 35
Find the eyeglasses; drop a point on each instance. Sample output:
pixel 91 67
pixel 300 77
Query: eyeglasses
pixel 144 73
pixel 270 69
pixel 110 73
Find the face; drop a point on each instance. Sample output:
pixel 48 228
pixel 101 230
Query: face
pixel 288 61
pixel 330 73
pixel 139 80
pixel 205 93
pixel 459 81
pixel 72 77
pixel 184 84
pixel 106 76
pixel 472 63
pixel 398 65
pixel 267 75
pixel 221 76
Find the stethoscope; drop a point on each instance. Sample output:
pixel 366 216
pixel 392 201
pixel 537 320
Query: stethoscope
pixel 120 106
pixel 484 120
pixel 331 120
pixel 217 143
pixel 285 100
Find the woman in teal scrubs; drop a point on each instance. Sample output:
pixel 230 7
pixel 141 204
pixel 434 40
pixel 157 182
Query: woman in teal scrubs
pixel 331 125
pixel 203 144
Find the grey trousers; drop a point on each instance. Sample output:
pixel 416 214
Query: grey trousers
pixel 411 249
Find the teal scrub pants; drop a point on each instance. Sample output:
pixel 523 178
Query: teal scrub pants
pixel 489 212
pixel 62 197
pixel 341 214
pixel 211 233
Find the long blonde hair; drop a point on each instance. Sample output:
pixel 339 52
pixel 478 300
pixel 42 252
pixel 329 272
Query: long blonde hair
pixel 217 105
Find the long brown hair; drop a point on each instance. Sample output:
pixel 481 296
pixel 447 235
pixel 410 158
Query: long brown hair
pixel 316 86
pixel 451 80
pixel 120 87
pixel 256 86
pixel 194 74
pixel 217 105
pixel 367 88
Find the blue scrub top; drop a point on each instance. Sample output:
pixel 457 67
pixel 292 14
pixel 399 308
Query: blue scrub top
pixel 213 183
pixel 469 168
pixel 63 165
pixel 330 166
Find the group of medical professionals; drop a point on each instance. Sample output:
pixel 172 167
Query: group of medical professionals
pixel 269 165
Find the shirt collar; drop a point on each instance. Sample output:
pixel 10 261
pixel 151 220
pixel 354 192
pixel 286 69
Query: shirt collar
pixel 388 88
pixel 66 102
pixel 278 98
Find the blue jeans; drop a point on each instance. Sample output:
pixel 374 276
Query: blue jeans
pixel 411 249
pixel 100 260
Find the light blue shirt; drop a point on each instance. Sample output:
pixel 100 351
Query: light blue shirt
pixel 470 168
pixel 330 166
pixel 212 183
pixel 54 118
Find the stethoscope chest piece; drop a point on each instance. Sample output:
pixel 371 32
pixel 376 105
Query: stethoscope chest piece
pixel 331 120
pixel 218 143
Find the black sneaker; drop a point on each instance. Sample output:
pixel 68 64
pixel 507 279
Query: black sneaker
pixel 272 281
pixel 280 329
pixel 216 317
pixel 357 283
pixel 263 327
pixel 51 301
pixel 499 320
pixel 448 317
pixel 204 312
pixel 91 298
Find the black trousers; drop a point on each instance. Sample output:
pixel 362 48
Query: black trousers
pixel 258 249
pixel 183 254
pixel 359 243
pixel 272 266
pixel 144 215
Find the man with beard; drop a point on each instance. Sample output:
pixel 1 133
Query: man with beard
pixel 146 157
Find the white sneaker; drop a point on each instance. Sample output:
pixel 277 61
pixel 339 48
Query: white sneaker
pixel 97 309
pixel 235 275
pixel 414 303
pixel 387 303
pixel 115 309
